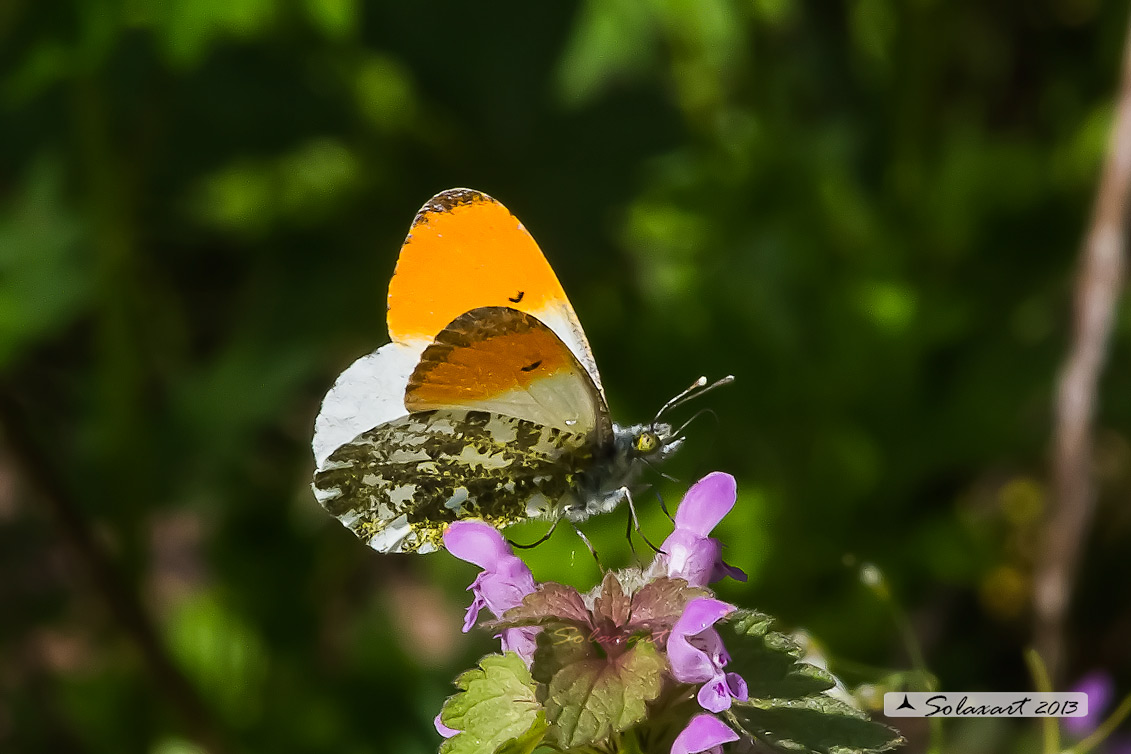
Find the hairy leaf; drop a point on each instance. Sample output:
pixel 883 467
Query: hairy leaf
pixel 612 604
pixel 815 725
pixel 660 602
pixel 496 708
pixel 770 662
pixel 549 603
pixel 593 697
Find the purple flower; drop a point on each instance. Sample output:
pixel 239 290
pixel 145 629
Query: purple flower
pixel 442 729
pixel 697 655
pixel 704 734
pixel 505 579
pixel 1100 689
pixel 690 552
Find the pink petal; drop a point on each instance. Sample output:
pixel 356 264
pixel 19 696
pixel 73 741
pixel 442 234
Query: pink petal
pixel 477 604
pixel 710 643
pixel 505 586
pixel 737 686
pixel 714 696
pixel 724 569
pixel 442 729
pixel 689 664
pixel 523 641
pixel 704 733
pixel 706 503
pixel 691 557
pixel 476 542
pixel 695 650
pixel 701 613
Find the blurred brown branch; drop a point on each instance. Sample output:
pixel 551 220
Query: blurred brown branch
pixel 36 472
pixel 1098 285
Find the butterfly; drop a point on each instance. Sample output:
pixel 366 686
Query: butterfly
pixel 487 403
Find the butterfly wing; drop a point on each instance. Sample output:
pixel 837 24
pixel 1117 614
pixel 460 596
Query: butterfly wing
pixel 399 485
pixel 487 355
pixel 505 361
pixel 464 251
pixel 368 393
pixel 503 416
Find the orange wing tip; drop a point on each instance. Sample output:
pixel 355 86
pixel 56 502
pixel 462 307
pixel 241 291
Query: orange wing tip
pixel 466 250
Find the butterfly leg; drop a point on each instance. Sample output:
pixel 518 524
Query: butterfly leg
pixel 542 539
pixel 663 507
pixel 627 494
pixel 670 478
pixel 588 544
pixel 628 535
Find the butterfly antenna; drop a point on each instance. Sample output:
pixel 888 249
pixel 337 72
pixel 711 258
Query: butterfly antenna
pixel 677 434
pixel 697 388
pixel 699 383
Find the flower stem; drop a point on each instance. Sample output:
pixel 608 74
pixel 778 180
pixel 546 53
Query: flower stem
pixel 1050 728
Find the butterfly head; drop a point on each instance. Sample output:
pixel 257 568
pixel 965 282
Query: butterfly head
pixel 653 442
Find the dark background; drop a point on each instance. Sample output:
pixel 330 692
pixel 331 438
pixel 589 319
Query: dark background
pixel 869 212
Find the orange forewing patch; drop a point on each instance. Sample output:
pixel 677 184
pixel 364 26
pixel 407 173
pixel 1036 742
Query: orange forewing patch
pixel 465 250
pixel 484 369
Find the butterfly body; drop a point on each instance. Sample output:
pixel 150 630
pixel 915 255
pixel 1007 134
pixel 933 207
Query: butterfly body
pixel 486 404
pixel 400 484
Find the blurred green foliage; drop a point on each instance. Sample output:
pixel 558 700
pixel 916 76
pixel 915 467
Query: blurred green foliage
pixel 867 211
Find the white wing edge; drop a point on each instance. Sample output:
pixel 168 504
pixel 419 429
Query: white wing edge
pixel 369 392
pixel 563 322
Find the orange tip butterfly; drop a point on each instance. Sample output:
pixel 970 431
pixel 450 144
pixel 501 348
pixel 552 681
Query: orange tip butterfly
pixel 487 403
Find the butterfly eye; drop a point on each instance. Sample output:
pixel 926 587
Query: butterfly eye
pixel 647 442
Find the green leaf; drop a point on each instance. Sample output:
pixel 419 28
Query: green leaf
pixel 788 709
pixel 750 622
pixel 815 725
pixel 770 662
pixel 528 741
pixel 496 711
pixel 595 696
pixel 557 647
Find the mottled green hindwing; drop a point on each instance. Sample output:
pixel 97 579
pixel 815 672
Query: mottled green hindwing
pixel 398 485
